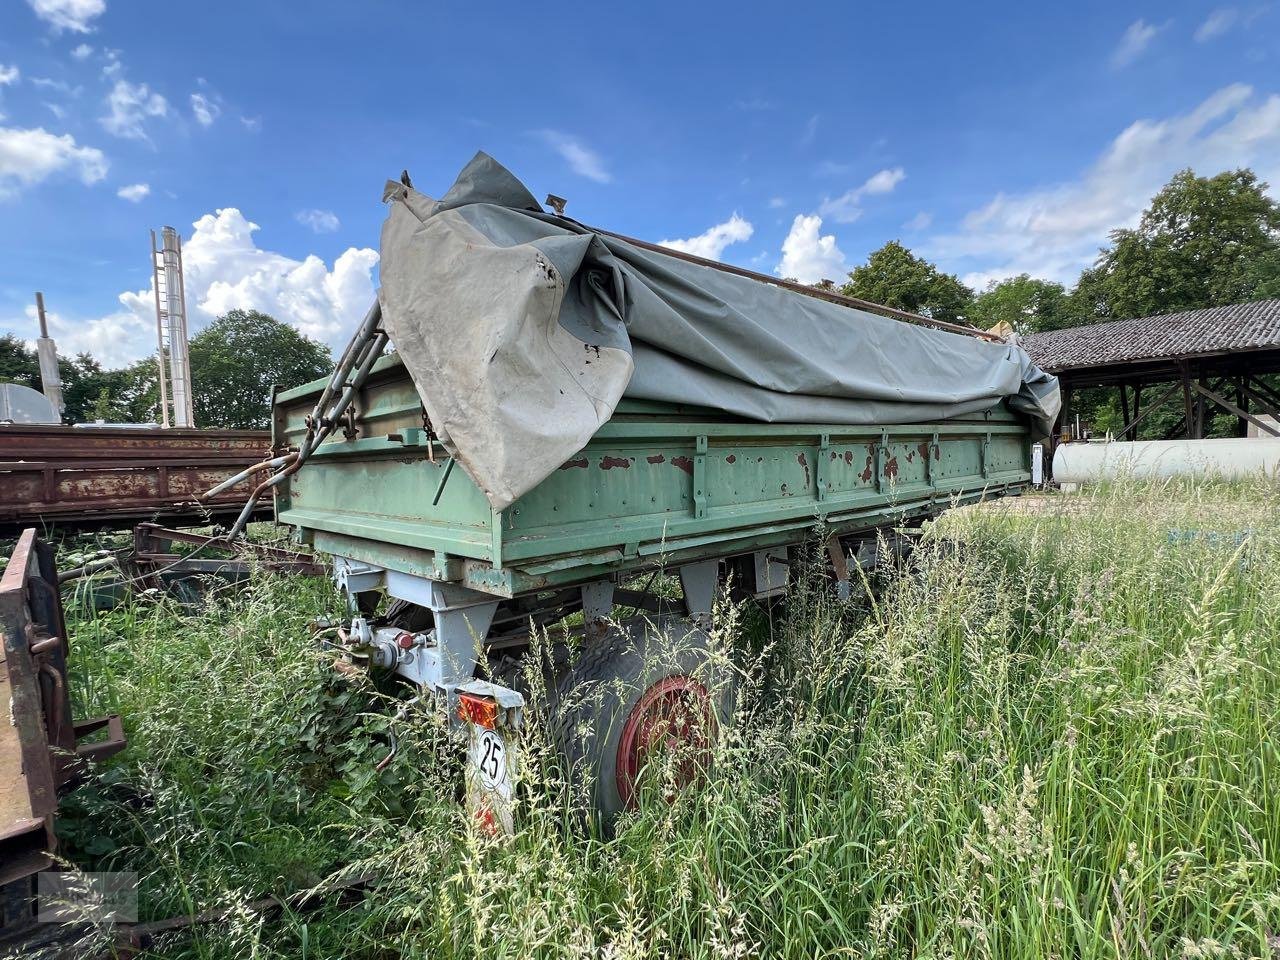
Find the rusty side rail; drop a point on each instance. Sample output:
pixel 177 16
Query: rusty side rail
pixel 80 478
pixel 39 751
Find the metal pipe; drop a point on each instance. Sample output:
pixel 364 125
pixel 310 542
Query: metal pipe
pixel 271 464
pixel 47 353
pixel 161 360
pixel 349 356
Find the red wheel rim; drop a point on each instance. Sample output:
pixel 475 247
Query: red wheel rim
pixel 674 713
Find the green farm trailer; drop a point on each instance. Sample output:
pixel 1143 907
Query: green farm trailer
pixel 659 487
pixel 566 410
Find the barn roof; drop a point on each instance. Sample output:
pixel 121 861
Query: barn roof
pixel 1239 326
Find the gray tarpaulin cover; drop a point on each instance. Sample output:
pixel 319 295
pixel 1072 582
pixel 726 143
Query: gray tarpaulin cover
pixel 522 330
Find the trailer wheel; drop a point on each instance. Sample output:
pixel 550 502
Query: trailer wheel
pixel 635 693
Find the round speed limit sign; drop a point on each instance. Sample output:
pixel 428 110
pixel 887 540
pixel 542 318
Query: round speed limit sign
pixel 491 760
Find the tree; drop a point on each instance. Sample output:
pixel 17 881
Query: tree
pixel 238 358
pixel 1028 305
pixel 1203 242
pixel 18 364
pixel 895 277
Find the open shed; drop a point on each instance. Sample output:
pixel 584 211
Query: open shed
pixel 1201 359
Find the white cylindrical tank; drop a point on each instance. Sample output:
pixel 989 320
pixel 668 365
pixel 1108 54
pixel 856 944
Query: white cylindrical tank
pixel 1077 463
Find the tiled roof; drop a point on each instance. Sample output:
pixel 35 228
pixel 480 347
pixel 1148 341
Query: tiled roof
pixel 1240 326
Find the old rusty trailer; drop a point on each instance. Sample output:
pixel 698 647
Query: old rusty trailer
pixel 87 477
pixel 692 491
pixel 41 753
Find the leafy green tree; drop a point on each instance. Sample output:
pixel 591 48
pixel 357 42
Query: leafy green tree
pixel 1028 305
pixel 1203 242
pixel 18 363
pixel 896 277
pixel 238 358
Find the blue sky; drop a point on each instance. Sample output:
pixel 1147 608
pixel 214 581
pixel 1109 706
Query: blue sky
pixel 994 139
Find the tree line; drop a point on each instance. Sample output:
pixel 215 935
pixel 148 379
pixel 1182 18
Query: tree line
pixel 1202 242
pixel 235 362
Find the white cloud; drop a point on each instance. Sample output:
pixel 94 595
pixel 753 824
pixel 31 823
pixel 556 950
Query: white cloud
pixel 135 192
pixel 1054 231
pixel 48 83
pixel 582 159
pixel 810 130
pixel 807 255
pixel 921 221
pixel 320 221
pixel 884 181
pixel 712 243
pixel 57 110
pixel 204 110
pixel 82 52
pixel 777 203
pixel 29 156
pixel 225 269
pixel 1217 23
pixel 130 104
pixel 847 207
pixel 73 15
pixel 8 75
pixel 252 124
pixel 1135 41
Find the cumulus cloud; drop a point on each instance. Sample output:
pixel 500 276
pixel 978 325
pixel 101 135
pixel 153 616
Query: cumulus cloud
pixel 847 207
pixel 135 192
pixel 8 75
pixel 225 270
pixel 74 15
pixel 1137 37
pixel 28 157
pixel 319 221
pixel 1054 231
pixel 582 159
pixel 1216 24
pixel 82 52
pixel 129 106
pixel 921 221
pixel 712 243
pixel 809 256
pixel 204 109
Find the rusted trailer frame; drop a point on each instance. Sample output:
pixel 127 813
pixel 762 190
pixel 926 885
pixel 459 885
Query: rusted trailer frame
pixel 82 478
pixel 40 752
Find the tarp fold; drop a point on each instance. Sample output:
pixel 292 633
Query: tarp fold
pixel 522 330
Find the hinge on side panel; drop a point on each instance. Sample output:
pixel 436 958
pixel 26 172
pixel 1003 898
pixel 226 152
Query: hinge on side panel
pixel 882 450
pixel 986 454
pixel 820 468
pixel 700 478
pixel 933 453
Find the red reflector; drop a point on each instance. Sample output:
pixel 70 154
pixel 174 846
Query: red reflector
pixel 482 711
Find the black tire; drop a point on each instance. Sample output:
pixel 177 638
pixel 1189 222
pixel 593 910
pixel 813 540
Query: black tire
pixel 601 691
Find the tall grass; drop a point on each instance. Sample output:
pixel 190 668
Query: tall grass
pixel 1051 734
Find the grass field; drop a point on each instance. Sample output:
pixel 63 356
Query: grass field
pixel 1053 734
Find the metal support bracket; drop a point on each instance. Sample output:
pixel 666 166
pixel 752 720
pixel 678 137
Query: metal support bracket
pixel 882 451
pixel 699 583
pixel 700 478
pixel 597 604
pixel 772 571
pixel 821 467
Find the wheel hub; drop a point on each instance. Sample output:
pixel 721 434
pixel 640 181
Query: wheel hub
pixel 673 716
